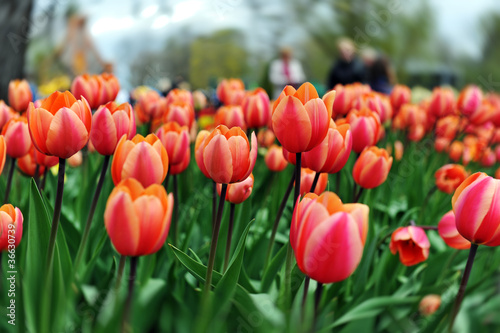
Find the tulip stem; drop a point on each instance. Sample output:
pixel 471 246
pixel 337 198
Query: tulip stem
pixel 166 180
pixel 213 245
pixel 426 201
pixel 36 176
pixel 121 267
pixel 214 202
pixel 315 182
pixel 317 301
pixel 229 236
pixel 176 210
pixel 57 214
pixel 304 297
pixel 42 184
pixel 86 231
pixel 463 285
pixel 277 220
pixel 337 185
pixel 128 301
pixel 298 168
pixel 357 194
pixel 9 179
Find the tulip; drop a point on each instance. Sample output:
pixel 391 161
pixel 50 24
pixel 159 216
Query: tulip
pixel 45 160
pixel 365 127
pixel 176 169
pixel 137 219
pixel 109 123
pixel 274 159
pixel 227 157
pixel 147 108
pixel 75 160
pixel 328 237
pixel 109 88
pixel 488 158
pixel 456 150
pixel 398 150
pixel 198 149
pixel 373 102
pixel 411 243
pixel 343 100
pixel 441 102
pixel 182 113
pixel 61 125
pixel 238 192
pixel 441 144
pixel 469 100
pixel 86 86
pixel 332 153
pixel 447 127
pixel 307 177
pixel 400 95
pixel 265 137
pixel 175 139
pixel 19 95
pixel 17 137
pixel 28 165
pixel 11 227
pixel 3 153
pixel 449 177
pixel 429 304
pixel 6 113
pixel 199 100
pixel 447 229
pixel 256 108
pixel 300 118
pixel 142 158
pixel 230 91
pixel 230 116
pixel 372 167
pixel 179 96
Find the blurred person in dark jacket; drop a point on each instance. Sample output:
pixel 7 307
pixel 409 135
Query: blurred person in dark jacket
pixel 348 68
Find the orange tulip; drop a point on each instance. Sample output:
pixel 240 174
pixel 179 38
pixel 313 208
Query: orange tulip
pixel 411 243
pixel 365 127
pixel 332 153
pixel 11 227
pixel 455 151
pixel 61 125
pixel 400 95
pixel 256 108
pixel 27 164
pixel 230 91
pixel 343 100
pixel 372 167
pixel 429 304
pixel 230 116
pixel 447 228
pixel 75 160
pixel 147 107
pixel 87 86
pixel 137 219
pixel 306 181
pixel 180 96
pixel 265 137
pixel 19 95
pixel 373 101
pixel 17 137
pixel 274 159
pixel 227 157
pixel 300 118
pixel 182 113
pixel 238 192
pixel 109 88
pixel 447 127
pixel 175 139
pixel 142 158
pixel 109 123
pixel 328 237
pixel 45 160
pixel 3 152
pixel 449 177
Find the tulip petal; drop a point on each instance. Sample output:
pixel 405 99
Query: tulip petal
pixel 218 161
pixel 292 125
pixel 67 134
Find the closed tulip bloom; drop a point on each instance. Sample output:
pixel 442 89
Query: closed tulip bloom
pixel 372 167
pixel 6 113
pixel 198 151
pixel 17 137
pixel 289 157
pixel 199 100
pixel 265 137
pixel 142 158
pixel 332 153
pixel 238 192
pixel 230 116
pixel 300 118
pixel 469 100
pixel 227 157
pixel 109 87
pixel 306 181
pixel 229 91
pixel 175 139
pixel 488 158
pixel 411 243
pixel 86 86
pixel 61 125
pixel 456 150
pixel 180 96
pixel 75 160
pixel 475 204
pixel 373 102
pixel 178 168
pixel 109 123
pixel 137 219
pixel 429 304
pixel 365 127
pixel 147 108
pixel 3 152
pixel 181 113
pixel 400 95
pixel 449 177
pixel 256 108
pixel 274 159
pixel 442 102
pixel 343 100
pixel 45 160
pixel 398 150
pixel 19 95
pixel 447 228
pixel 11 227
pixel 447 127
pixel 328 237
pixel 27 164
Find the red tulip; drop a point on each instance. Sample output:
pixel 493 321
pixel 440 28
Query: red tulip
pixel 230 116
pixel 265 137
pixel 19 95
pixel 86 86
pixel 147 107
pixel 442 102
pixel 231 91
pixel 256 108
pixel 142 158
pixel 61 125
pixel 449 177
pixel 411 243
pixel 238 192
pixel 27 164
pixel 6 113
pixel 137 219
pixel 469 100
pixel 3 152
pixel 400 95
pixel 108 88
pixel 182 113
pixel 372 167
pixel 365 127
pixel 328 237
pixel 343 100
pixel 300 118
pixel 274 159
pixel 198 151
pixel 176 169
pixel 175 139
pixel 45 160
pixel 17 137
pixel 447 228
pixel 11 227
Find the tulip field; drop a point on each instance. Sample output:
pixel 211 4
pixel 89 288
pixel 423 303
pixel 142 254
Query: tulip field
pixel 351 211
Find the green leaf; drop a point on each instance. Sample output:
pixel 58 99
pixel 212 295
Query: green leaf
pixel 273 268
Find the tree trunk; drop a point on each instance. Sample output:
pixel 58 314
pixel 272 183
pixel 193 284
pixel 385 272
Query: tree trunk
pixel 15 22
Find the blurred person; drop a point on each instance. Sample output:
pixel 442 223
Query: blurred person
pixel 348 68
pixel 285 71
pixel 380 75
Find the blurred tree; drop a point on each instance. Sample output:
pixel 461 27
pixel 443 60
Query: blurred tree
pixel 219 55
pixel 487 74
pixel 15 25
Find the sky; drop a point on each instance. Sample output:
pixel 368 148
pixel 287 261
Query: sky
pixel 121 29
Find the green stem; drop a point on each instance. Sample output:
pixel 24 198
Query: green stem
pixel 42 185
pixel 463 284
pixel 315 182
pixel 175 214
pixel 317 301
pixel 86 231
pixel 36 176
pixel 57 214
pixel 426 201
pixel 298 168
pixel 121 267
pixel 304 297
pixel 229 236
pixel 277 220
pixel 128 302
pixel 214 203
pixel 9 179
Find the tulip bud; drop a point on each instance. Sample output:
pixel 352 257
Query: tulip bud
pixel 429 304
pixel 411 243
pixel 256 108
pixel 372 167
pixel 365 127
pixel 469 100
pixel 17 137
pixel 447 228
pixel 175 139
pixel 86 86
pixel 11 227
pixel 6 113
pixel 274 159
pixel 231 91
pixel 19 95
pixel 238 192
